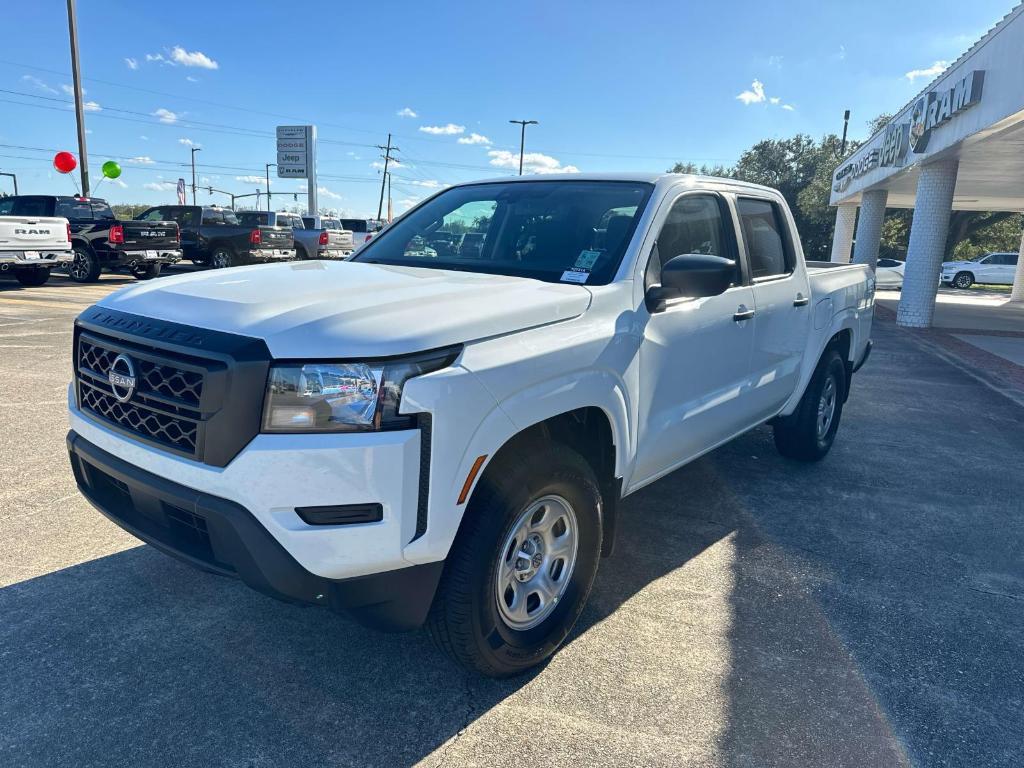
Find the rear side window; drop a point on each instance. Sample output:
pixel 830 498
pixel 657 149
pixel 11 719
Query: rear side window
pixel 308 223
pixel 102 212
pixel 154 214
pixel 34 206
pixel 6 206
pixel 213 217
pixel 765 236
pixel 354 225
pixel 74 210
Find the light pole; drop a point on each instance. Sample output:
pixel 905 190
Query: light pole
pixel 269 166
pixel 76 79
pixel 522 138
pixel 846 124
pixel 194 150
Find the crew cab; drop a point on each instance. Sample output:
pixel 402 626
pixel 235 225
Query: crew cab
pixel 99 240
pixel 990 269
pixel 214 236
pixel 31 246
pixel 310 243
pixel 444 440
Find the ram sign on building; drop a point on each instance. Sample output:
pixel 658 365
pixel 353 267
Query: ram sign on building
pixel 957 145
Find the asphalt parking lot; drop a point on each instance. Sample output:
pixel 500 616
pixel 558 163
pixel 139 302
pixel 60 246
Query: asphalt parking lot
pixel 865 611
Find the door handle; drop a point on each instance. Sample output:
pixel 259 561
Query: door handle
pixel 801 300
pixel 742 313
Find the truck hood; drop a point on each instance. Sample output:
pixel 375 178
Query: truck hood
pixel 350 310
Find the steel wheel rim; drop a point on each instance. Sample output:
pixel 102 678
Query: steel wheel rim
pixel 79 268
pixel 536 562
pixel 826 406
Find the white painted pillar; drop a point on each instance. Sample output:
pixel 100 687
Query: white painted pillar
pixel 842 238
pixel 869 228
pixel 1017 294
pixel 928 233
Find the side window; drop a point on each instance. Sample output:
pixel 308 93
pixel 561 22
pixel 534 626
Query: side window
pixel 764 234
pixel 1012 259
pixel 6 206
pixel 156 214
pixel 695 224
pixel 986 260
pixel 888 263
pixel 212 217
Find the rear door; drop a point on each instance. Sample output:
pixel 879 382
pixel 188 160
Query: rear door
pixel 781 301
pixel 1005 268
pixel 694 355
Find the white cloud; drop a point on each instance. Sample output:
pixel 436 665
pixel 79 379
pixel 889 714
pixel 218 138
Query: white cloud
pixel 934 70
pixel 69 90
pixel 92 106
pixel 774 99
pixel 474 138
pixel 38 83
pixel 132 63
pixel 144 138
pixel 156 57
pixel 159 186
pixel 328 193
pixel 775 61
pixel 788 107
pixel 755 95
pixel 141 160
pixel 451 129
pixel 407 112
pixel 166 116
pixel 120 183
pixel 252 179
pixel 427 183
pixel 380 166
pixel 841 55
pixel 533 162
pixel 187 142
pixel 192 58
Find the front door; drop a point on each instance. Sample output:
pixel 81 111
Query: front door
pixel 695 354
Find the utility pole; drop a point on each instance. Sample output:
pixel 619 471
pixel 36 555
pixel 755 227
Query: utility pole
pixel 268 167
pixel 846 124
pixel 389 197
pixel 383 180
pixel 194 150
pixel 14 179
pixel 76 79
pixel 522 138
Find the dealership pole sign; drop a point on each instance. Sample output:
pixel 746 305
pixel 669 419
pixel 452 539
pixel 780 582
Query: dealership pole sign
pixel 296 157
pixel 930 111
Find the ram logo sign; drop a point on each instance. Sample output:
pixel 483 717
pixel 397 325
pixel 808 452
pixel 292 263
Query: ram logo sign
pixel 938 107
pixel 33 232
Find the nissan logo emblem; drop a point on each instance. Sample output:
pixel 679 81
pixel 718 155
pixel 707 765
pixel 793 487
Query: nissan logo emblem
pixel 122 378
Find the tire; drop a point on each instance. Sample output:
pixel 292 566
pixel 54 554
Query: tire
pixel 32 277
pixel 809 432
pixel 85 268
pixel 963 280
pixel 146 271
pixel 300 253
pixel 465 619
pixel 222 258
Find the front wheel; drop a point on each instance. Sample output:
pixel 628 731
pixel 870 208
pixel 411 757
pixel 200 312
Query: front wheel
pixel 963 280
pixel 809 432
pixel 522 565
pixel 146 271
pixel 222 258
pixel 32 277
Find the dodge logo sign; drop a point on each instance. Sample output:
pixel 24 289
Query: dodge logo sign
pixel 122 378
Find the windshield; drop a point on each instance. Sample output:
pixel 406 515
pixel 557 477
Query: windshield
pixel 556 231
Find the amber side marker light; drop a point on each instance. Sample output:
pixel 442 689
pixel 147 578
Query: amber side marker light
pixel 471 477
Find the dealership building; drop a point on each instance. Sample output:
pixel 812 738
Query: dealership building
pixel 957 146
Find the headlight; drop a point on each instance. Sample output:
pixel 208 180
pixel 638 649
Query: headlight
pixel 344 396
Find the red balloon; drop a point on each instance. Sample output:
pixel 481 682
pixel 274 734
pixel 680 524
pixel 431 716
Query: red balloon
pixel 64 162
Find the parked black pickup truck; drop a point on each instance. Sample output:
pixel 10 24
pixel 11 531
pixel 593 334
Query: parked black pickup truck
pixel 214 236
pixel 101 241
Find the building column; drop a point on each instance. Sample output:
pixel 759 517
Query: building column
pixel 928 232
pixel 1017 294
pixel 869 228
pixel 842 238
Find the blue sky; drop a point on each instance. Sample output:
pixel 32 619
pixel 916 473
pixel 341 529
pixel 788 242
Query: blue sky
pixel 615 86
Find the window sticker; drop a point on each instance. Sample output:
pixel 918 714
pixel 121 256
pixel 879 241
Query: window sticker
pixel 575 276
pixel 586 260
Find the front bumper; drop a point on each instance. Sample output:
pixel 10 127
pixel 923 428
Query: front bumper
pixel 9 259
pixel 222 536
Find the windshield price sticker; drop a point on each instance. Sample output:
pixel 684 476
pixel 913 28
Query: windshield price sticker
pixel 575 276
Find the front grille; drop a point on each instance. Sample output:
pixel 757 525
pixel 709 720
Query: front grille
pixel 163 409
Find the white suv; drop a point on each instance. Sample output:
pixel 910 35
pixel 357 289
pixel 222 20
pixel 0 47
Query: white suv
pixel 991 269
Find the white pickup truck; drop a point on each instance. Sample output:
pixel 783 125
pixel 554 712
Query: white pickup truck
pixel 444 440
pixel 31 246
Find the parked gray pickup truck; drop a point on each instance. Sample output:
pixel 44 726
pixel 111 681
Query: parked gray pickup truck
pixel 310 243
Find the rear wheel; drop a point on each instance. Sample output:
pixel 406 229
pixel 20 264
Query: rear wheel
pixel 222 258
pixel 963 280
pixel 32 277
pixel 809 432
pixel 522 565
pixel 146 271
pixel 85 268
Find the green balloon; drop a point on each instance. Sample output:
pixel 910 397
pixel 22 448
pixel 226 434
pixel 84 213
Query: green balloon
pixel 111 169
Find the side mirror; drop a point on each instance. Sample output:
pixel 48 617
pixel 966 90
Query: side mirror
pixel 691 275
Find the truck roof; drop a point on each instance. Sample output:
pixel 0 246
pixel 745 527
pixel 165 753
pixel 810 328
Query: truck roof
pixel 634 176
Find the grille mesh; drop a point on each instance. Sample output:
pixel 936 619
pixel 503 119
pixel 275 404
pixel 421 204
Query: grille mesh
pixel 169 430
pixel 155 378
